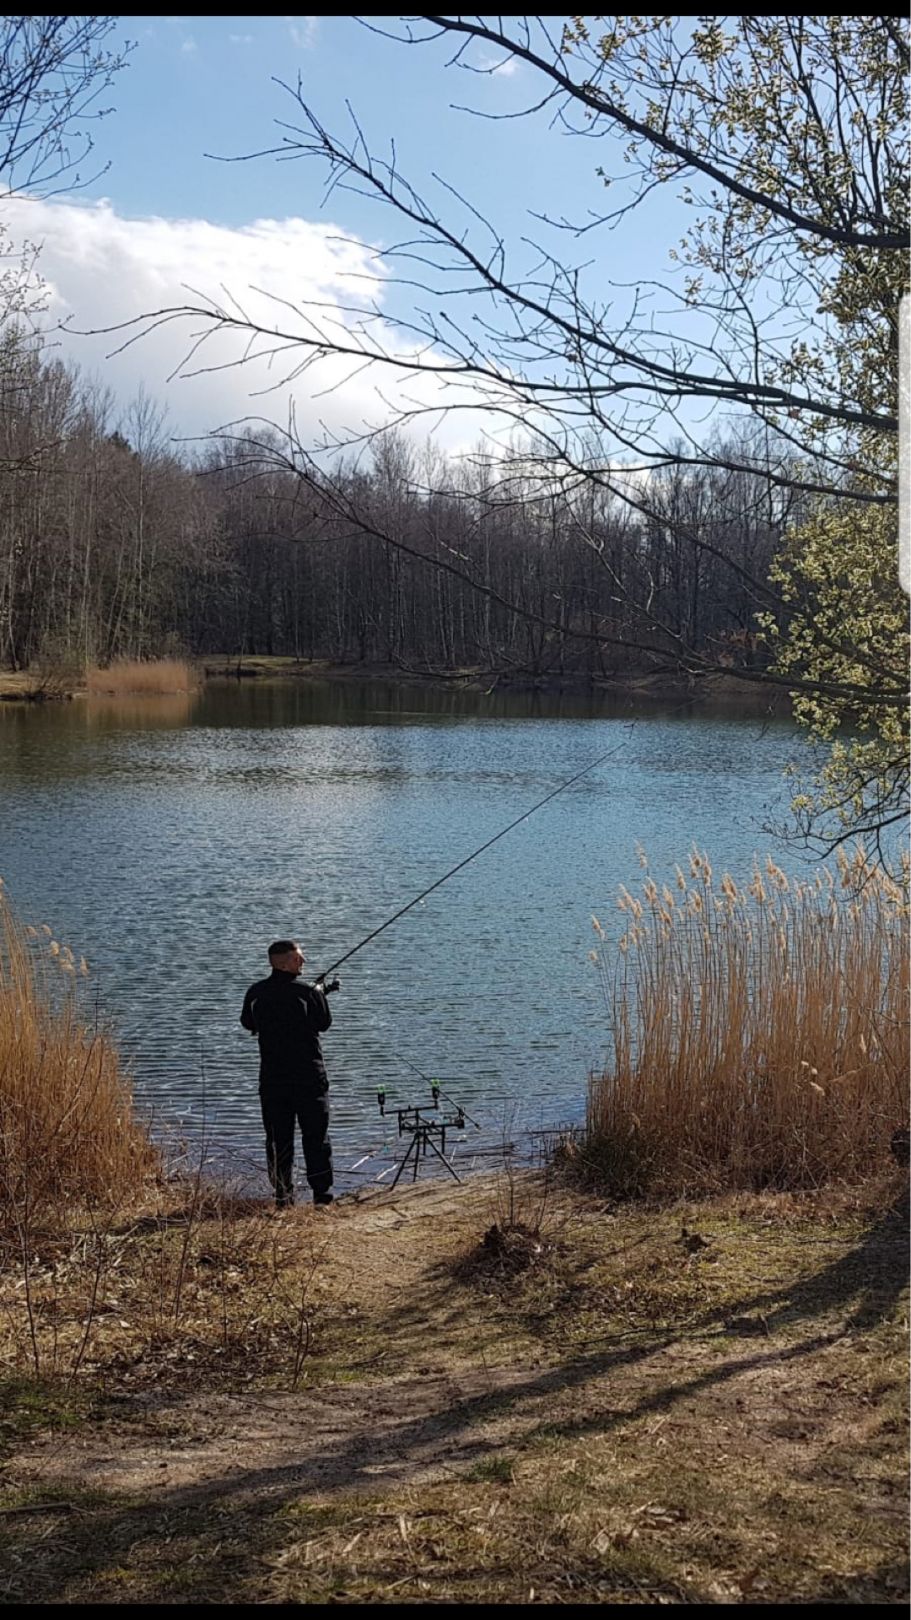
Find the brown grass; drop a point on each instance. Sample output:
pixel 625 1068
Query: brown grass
pixel 103 1260
pixel 193 1289
pixel 760 1035
pixel 634 1422
pixel 137 677
pixel 68 1133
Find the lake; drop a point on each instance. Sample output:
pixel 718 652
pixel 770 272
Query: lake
pixel 169 840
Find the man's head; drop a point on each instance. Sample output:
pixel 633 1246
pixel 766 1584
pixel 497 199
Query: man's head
pixel 286 956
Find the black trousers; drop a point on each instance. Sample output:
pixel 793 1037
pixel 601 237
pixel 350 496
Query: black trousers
pixel 281 1110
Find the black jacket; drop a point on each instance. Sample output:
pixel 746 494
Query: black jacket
pixel 288 1016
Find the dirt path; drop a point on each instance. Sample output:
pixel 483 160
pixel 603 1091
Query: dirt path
pixel 379 1253
pixel 755 1444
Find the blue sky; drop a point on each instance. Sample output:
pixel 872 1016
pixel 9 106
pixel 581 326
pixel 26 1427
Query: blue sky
pixel 164 215
pixel 207 84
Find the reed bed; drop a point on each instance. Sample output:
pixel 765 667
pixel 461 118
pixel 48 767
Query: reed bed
pixel 68 1132
pixel 135 677
pixel 759 1033
pixel 106 1261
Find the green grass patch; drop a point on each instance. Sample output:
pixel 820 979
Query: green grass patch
pixel 29 1406
pixel 499 1470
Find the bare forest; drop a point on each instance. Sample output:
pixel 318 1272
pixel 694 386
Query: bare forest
pixel 118 541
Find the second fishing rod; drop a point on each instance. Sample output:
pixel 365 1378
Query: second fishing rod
pixel 325 980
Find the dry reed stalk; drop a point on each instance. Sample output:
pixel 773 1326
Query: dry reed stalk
pixel 136 677
pixel 102 1260
pixel 760 1035
pixel 68 1132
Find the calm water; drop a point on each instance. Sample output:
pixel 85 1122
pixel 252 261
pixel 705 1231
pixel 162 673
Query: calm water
pixel 171 839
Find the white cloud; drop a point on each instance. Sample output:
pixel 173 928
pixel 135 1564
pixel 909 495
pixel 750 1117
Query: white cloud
pixel 103 269
pixel 240 39
pixel 501 68
pixel 303 31
pixel 188 46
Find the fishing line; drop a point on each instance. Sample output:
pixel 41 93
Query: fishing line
pixel 593 765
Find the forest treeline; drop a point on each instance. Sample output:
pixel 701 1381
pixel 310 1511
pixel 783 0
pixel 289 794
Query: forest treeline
pixel 117 541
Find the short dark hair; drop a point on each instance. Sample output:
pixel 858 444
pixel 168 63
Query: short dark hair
pixel 281 947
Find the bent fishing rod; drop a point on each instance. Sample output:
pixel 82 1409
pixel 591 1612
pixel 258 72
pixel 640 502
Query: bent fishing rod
pixel 576 777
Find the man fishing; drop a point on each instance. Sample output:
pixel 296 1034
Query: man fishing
pixel 288 1018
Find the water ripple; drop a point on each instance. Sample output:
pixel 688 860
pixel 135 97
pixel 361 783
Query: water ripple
pixel 171 852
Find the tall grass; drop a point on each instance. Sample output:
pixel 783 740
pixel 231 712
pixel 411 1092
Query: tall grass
pixel 759 1034
pixel 104 1259
pixel 68 1133
pixel 137 677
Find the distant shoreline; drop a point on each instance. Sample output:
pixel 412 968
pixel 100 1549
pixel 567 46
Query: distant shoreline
pixel 726 690
pixel 640 683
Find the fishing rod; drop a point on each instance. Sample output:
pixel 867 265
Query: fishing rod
pixel 576 777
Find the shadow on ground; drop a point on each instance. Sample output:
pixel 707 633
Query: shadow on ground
pixel 211 1540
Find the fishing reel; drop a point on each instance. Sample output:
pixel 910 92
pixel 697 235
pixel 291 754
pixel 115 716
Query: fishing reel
pixel 327 988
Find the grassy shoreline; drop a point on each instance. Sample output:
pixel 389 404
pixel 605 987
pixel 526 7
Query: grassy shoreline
pixel 519 1389
pixel 645 683
pixel 125 677
pixel 29 686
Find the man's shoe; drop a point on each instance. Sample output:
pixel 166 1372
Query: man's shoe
pixel 323 1198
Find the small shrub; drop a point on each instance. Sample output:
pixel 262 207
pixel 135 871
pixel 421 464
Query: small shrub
pixel 50 677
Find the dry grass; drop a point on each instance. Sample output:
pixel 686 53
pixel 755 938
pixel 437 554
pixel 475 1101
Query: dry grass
pixel 198 1289
pixel 46 680
pixel 134 677
pixel 104 1262
pixel 68 1134
pixel 760 1035
pixel 636 1422
pixel 69 1143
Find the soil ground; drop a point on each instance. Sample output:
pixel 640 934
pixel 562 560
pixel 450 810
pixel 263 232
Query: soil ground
pixel 512 1392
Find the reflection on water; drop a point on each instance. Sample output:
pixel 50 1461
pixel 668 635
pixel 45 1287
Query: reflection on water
pixel 109 711
pixel 169 839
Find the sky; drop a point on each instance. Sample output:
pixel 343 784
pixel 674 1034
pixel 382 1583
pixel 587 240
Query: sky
pixel 162 218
